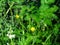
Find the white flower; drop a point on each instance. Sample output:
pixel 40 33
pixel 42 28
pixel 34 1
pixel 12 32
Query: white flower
pixel 11 36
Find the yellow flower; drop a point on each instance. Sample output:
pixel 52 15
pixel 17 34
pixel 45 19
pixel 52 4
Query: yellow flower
pixel 17 16
pixel 32 29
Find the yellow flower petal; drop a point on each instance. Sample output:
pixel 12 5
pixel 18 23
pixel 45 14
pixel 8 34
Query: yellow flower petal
pixel 32 29
pixel 17 16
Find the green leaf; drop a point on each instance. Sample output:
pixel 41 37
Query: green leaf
pixel 27 17
pixel 48 22
pixel 36 18
pixel 56 29
pixel 53 9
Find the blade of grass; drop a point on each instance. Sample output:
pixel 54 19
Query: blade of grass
pixel 9 9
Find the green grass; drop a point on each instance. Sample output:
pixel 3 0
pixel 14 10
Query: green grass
pixel 25 23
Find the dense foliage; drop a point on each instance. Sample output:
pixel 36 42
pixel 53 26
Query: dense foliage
pixel 29 22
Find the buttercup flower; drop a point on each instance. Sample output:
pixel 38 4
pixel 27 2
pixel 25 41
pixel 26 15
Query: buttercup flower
pixel 32 29
pixel 17 16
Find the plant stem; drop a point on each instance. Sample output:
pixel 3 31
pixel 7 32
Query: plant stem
pixel 9 9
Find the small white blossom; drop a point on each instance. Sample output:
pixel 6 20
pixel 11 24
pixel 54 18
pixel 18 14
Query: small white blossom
pixel 11 36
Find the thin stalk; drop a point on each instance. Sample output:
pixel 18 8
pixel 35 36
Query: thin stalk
pixel 9 9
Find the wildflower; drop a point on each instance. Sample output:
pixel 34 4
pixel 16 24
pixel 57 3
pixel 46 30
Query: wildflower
pixel 11 36
pixel 32 29
pixel 17 16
